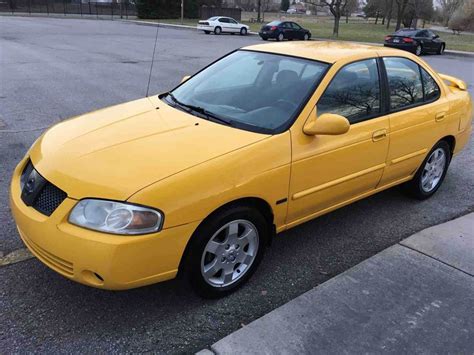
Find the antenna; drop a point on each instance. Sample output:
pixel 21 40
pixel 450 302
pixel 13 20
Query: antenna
pixel 152 60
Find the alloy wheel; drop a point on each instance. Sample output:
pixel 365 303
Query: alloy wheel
pixel 433 170
pixel 418 50
pixel 230 253
pixel 280 37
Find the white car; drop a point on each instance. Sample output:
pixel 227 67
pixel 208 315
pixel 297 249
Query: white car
pixel 222 24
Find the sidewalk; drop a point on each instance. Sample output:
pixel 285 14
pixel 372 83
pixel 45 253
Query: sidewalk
pixel 414 297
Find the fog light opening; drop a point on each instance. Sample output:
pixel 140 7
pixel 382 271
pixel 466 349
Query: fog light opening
pixel 92 278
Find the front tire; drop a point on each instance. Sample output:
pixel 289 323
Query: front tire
pixel 280 37
pixel 441 49
pixel 243 31
pixel 217 30
pixel 431 173
pixel 225 251
pixel 306 37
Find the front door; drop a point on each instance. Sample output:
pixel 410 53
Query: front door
pixel 328 171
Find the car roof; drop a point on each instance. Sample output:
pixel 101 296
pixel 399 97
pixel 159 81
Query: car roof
pixel 325 51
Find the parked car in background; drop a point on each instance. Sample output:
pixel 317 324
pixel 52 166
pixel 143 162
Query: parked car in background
pixel 281 30
pixel 417 41
pixel 222 24
pixel 291 11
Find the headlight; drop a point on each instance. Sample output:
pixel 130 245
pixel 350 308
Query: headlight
pixel 115 217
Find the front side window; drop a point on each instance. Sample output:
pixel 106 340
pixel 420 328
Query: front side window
pixel 404 82
pixel 257 91
pixel 295 26
pixel 430 88
pixel 354 92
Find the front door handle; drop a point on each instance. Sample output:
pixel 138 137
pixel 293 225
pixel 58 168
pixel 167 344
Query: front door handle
pixel 440 116
pixel 379 135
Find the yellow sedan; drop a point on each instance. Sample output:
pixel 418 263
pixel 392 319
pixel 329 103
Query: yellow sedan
pixel 198 180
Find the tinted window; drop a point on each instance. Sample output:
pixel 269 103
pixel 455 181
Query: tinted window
pixel 406 33
pixel 295 26
pixel 257 91
pixel 422 34
pixel 430 88
pixel 286 25
pixel 224 20
pixel 354 92
pixel 231 20
pixel 404 82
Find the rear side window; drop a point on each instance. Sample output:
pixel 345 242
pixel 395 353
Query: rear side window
pixel 354 92
pixel 430 88
pixel 404 82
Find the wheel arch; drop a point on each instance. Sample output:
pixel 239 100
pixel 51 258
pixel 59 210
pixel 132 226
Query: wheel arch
pixel 255 202
pixel 451 140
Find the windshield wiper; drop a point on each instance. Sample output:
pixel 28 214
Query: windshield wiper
pixel 209 115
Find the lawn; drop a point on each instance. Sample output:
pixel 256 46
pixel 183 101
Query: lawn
pixel 356 29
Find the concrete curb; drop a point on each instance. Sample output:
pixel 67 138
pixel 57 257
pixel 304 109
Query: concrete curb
pixel 170 25
pixel 187 27
pixel 398 301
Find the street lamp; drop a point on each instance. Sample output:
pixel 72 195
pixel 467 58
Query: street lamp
pixel 182 11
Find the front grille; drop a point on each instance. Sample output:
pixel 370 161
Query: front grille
pixel 39 193
pixel 49 199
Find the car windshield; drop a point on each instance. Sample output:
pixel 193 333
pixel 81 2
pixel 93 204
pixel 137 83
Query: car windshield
pixel 257 91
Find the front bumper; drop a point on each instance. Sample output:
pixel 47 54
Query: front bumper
pixel 93 258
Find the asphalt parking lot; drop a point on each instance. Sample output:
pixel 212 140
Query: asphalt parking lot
pixel 51 69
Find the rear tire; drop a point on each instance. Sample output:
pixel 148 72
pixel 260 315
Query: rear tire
pixel 431 173
pixel 243 31
pixel 217 30
pixel 418 50
pixel 441 49
pixel 226 250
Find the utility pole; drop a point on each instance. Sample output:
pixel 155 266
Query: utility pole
pixel 182 12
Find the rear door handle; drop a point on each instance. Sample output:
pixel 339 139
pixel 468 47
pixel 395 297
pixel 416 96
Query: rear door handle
pixel 440 116
pixel 379 135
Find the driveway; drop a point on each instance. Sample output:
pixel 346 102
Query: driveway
pixel 51 69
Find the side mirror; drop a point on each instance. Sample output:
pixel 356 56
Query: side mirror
pixel 186 77
pixel 326 124
pixel 435 36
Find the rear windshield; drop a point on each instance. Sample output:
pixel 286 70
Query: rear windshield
pixel 213 18
pixel 274 23
pixel 406 32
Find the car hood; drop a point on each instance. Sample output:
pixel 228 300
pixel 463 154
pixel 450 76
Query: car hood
pixel 114 152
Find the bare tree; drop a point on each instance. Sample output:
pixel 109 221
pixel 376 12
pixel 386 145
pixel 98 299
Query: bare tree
pixel 401 6
pixel 336 7
pixel 448 7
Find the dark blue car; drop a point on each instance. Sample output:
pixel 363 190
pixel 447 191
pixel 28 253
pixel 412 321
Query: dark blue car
pixel 281 30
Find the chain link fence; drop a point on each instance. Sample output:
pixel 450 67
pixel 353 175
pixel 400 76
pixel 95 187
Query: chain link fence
pixel 67 7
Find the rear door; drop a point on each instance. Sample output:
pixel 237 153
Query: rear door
pixel 287 30
pixel 418 117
